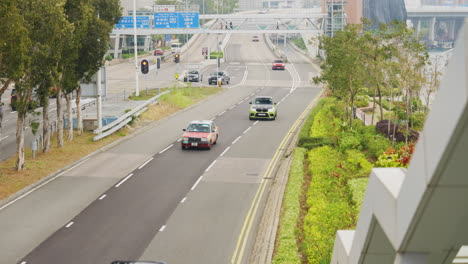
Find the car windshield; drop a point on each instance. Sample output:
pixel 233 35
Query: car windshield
pixel 199 128
pixel 218 73
pixel 193 72
pixel 278 61
pixel 263 101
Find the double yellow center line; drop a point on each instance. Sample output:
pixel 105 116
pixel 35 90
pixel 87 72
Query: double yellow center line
pixel 247 226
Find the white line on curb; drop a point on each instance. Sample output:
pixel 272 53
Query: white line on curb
pixel 166 149
pixel 211 165
pixel 183 200
pixel 196 183
pixel 124 180
pixel 224 152
pixel 234 142
pixel 103 196
pixel 146 162
pixel 69 224
pixel 162 228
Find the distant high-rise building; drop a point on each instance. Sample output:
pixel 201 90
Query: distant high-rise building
pixel 245 5
pixel 384 11
pixel 352 9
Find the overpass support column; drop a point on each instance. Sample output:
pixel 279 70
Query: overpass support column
pixel 418 26
pixel 411 258
pixel 432 30
pixel 116 47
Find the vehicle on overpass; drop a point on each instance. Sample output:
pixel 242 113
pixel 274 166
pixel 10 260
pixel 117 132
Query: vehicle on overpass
pixel 200 134
pixel 263 107
pixel 278 65
pixel 223 75
pixel 255 38
pixel 193 76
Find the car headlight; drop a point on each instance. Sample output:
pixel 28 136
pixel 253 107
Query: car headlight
pixel 204 139
pixel 271 109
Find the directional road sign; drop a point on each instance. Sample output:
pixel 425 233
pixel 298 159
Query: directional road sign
pixel 127 22
pixel 176 20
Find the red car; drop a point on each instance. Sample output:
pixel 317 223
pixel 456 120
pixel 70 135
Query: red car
pixel 200 134
pixel 278 65
pixel 158 52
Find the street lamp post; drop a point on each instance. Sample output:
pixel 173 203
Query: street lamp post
pixel 135 45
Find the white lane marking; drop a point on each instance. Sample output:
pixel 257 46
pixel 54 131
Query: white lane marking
pixel 247 130
pixel 124 180
pixel 146 162
pixel 3 138
pixel 232 107
pixel 211 165
pixel 241 101
pixel 13 112
pixel 234 142
pixel 103 196
pixel 26 194
pixel 256 122
pixel 183 200
pixel 196 183
pixel 4 121
pixel 52 109
pixel 279 103
pixel 162 151
pixel 26 127
pixel 69 224
pixel 221 113
pixel 179 140
pixel 252 94
pixel 224 152
pixel 24 262
pixel 246 98
pixel 162 228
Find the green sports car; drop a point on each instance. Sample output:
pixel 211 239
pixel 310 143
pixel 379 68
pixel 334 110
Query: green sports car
pixel 263 107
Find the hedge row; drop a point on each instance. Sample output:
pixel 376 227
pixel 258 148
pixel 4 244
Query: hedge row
pixel 287 250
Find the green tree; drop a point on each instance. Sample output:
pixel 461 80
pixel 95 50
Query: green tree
pixel 344 68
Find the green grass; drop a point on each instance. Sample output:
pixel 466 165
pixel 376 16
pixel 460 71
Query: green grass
pixel 186 96
pixel 299 42
pixel 287 250
pixel 145 96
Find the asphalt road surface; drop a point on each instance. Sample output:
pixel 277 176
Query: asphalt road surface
pixel 148 199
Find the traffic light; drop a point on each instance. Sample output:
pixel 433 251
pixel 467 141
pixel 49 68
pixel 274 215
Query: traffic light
pixel 177 58
pixel 144 66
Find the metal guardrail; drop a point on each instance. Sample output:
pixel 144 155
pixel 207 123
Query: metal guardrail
pixel 125 119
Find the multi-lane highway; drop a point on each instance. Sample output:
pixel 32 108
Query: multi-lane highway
pixel 148 199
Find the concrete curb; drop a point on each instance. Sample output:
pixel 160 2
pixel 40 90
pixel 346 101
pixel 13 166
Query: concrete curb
pixel 265 237
pixel 138 131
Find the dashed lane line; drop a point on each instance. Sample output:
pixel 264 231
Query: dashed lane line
pixel 224 152
pixel 162 151
pixel 235 140
pixel 144 164
pixel 196 183
pixel 69 224
pixel 103 196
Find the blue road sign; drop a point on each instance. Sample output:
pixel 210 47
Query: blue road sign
pixel 189 20
pixel 176 20
pixel 127 22
pixel 168 37
pixel 165 20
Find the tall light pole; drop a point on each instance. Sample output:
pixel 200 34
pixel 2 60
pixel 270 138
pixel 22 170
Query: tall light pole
pixel 135 45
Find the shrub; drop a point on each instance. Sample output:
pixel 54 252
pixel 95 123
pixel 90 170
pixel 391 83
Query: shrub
pixel 376 145
pixel 396 158
pixel 400 134
pixel 358 190
pixel 287 250
pixel 330 204
pixel 356 164
pixel 349 140
pixel 418 120
pixel 314 142
pixel 326 123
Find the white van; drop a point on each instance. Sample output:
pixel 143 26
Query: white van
pixel 175 47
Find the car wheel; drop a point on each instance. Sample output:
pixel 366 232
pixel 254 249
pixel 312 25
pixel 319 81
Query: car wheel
pixel 216 141
pixel 182 147
pixel 209 147
pixel 227 82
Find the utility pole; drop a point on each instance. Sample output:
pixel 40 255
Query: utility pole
pixel 135 45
